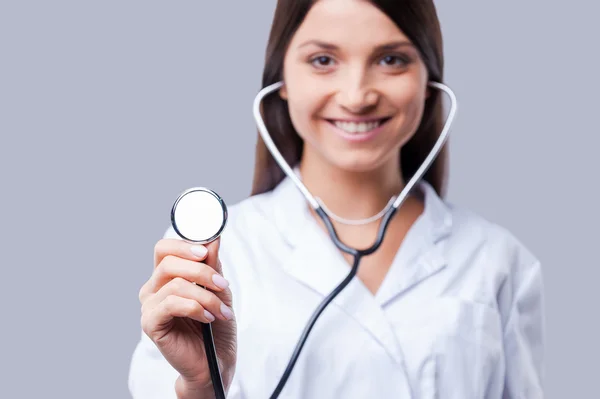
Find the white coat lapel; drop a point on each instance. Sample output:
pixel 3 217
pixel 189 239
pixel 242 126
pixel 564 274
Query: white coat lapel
pixel 421 254
pixel 318 264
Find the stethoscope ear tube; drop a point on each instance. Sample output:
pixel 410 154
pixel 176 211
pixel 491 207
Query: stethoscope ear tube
pixel 264 133
pixel 437 147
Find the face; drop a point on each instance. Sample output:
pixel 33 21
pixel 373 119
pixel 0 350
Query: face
pixel 354 84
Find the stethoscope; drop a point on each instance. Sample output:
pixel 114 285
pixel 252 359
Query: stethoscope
pixel 199 215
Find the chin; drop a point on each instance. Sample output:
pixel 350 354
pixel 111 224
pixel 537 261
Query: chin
pixel 360 161
pixel 356 158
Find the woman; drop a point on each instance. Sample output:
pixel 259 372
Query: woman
pixel 450 306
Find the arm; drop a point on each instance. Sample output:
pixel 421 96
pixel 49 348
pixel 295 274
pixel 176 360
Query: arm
pixel 152 377
pixel 188 392
pixel 524 336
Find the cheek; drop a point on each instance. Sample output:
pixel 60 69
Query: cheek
pixel 411 102
pixel 300 113
pixel 303 106
pixel 303 98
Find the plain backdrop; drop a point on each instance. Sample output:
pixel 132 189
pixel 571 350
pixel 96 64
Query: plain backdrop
pixel 109 109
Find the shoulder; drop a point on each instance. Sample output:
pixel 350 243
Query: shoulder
pixel 488 264
pixel 490 236
pixel 489 249
pixel 472 242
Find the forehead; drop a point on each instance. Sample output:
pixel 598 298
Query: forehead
pixel 348 23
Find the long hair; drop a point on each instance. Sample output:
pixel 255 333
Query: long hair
pixel 418 20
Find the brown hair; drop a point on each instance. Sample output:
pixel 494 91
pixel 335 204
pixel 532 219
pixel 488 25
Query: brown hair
pixel 419 22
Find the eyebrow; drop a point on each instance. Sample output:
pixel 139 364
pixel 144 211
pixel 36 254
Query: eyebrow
pixel 383 47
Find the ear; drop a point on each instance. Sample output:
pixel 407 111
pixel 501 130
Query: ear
pixel 283 92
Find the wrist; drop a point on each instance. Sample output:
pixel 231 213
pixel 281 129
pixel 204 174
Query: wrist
pixel 187 390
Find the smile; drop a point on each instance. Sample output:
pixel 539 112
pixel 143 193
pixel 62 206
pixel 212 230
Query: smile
pixel 358 127
pixel 358 130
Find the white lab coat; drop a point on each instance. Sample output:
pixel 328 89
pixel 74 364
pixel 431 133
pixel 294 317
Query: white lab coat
pixel 459 315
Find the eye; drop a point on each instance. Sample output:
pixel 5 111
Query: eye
pixel 395 60
pixel 321 61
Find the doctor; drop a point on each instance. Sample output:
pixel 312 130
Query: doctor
pixel 450 306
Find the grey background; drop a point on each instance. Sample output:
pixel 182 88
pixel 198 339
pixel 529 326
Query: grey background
pixel 109 109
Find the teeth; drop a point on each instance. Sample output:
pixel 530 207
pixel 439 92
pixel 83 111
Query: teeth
pixel 361 127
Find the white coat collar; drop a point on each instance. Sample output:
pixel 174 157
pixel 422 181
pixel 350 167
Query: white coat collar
pixel 318 264
pixel 291 212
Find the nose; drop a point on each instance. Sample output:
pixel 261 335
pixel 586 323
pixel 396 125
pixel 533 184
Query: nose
pixel 356 94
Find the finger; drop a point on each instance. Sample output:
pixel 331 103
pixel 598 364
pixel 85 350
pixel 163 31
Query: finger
pixel 145 291
pixel 196 272
pixel 178 248
pixel 172 266
pixel 173 306
pixel 185 289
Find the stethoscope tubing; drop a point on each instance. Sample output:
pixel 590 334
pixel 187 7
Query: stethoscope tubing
pixel 213 363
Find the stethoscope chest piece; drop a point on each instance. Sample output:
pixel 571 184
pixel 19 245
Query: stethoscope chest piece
pixel 199 215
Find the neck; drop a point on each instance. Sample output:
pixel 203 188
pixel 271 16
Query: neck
pixel 369 191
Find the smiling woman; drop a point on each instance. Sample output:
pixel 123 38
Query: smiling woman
pixel 449 306
pixel 340 69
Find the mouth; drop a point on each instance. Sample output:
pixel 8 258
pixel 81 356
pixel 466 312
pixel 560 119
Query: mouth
pixel 358 127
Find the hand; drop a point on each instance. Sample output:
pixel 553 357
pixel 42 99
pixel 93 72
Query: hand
pixel 173 308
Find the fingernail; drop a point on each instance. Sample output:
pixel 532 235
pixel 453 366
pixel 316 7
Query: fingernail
pixel 220 281
pixel 209 316
pixel 226 312
pixel 199 250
